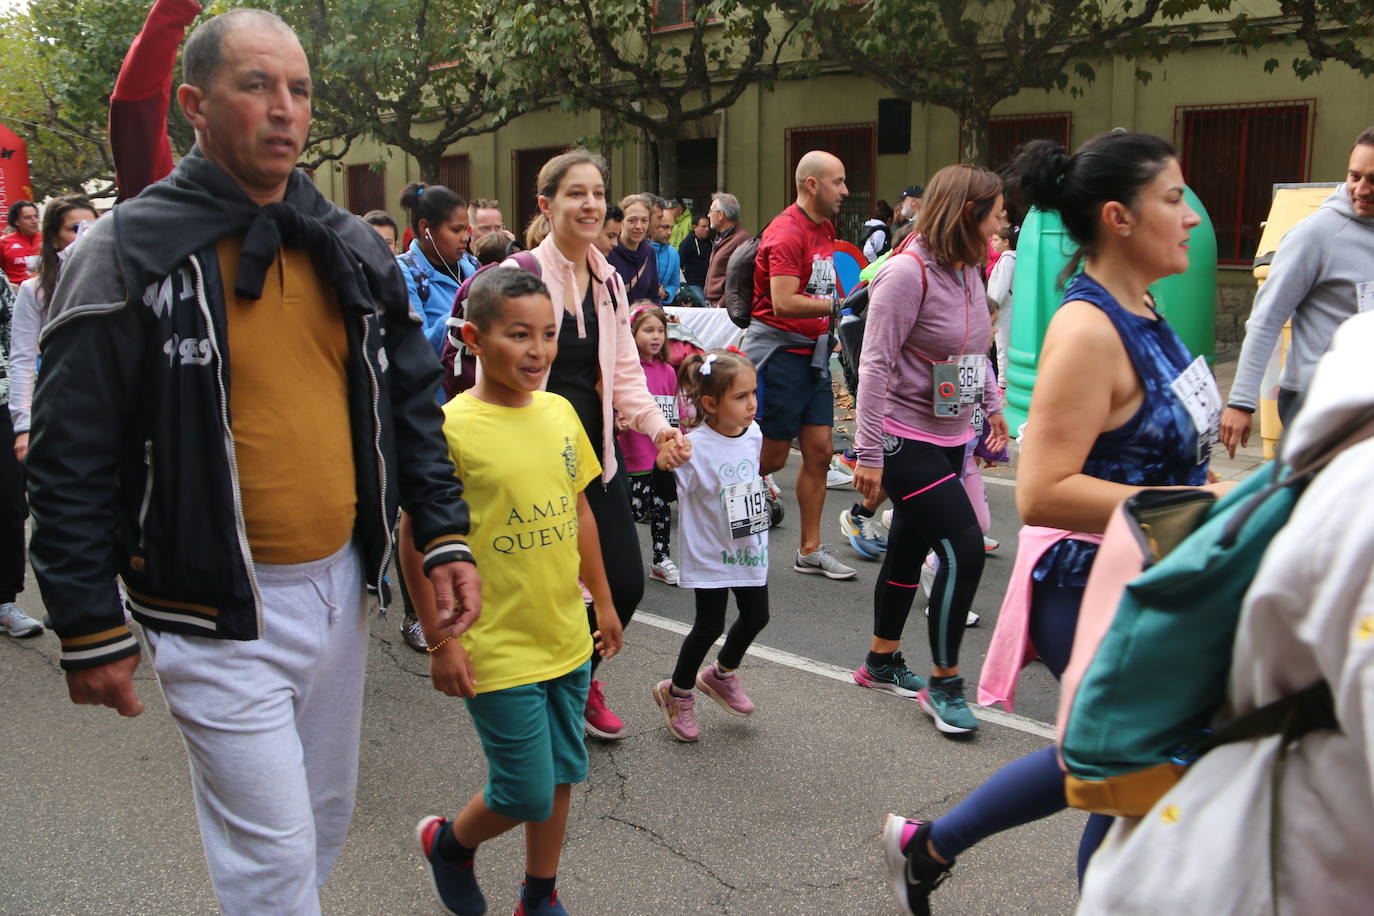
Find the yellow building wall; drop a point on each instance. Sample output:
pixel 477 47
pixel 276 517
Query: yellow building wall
pixel 754 133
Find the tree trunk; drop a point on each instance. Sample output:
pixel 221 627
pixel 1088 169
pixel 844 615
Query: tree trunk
pixel 667 164
pixel 428 160
pixel 974 129
pixel 607 124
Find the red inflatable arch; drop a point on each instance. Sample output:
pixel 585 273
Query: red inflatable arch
pixel 14 173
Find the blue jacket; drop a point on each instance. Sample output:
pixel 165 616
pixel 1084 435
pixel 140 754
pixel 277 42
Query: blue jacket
pixel 468 264
pixel 431 291
pixel 669 270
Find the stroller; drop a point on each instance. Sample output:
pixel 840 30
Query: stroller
pixel 681 344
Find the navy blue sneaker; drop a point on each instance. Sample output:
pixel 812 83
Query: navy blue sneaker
pixel 455 887
pixel 549 906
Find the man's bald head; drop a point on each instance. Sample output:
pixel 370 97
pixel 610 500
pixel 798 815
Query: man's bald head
pixel 821 187
pixel 817 164
pixel 204 51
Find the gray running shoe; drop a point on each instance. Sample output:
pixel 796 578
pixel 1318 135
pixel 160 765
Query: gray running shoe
pixel 16 623
pixel 413 634
pixel 823 563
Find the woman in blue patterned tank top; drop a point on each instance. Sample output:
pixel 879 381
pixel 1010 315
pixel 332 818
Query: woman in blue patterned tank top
pixel 1119 405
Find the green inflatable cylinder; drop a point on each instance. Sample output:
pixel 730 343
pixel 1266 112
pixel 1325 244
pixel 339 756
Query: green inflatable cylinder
pixel 1188 300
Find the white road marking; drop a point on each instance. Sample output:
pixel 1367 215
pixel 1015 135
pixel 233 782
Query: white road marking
pixel 845 675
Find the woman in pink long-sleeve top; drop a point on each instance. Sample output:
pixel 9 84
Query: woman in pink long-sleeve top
pixel 923 368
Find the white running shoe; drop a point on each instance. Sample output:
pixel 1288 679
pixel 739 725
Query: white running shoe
pixel 990 544
pixel 14 622
pixel 928 569
pixel 665 572
pixel 887 519
pixel 836 479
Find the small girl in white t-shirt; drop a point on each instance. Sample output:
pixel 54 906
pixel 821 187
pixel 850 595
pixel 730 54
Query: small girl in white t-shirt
pixel 724 542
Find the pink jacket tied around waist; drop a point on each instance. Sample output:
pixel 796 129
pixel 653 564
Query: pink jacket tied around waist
pixel 1011 649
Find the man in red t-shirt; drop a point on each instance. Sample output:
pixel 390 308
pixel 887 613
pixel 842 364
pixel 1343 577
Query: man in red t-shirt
pixel 19 249
pixel 794 291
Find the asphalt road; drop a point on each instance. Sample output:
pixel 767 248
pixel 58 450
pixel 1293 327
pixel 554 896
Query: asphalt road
pixel 780 813
pixel 776 814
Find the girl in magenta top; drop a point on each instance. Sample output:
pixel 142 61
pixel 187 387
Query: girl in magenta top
pixel 652 490
pixel 923 370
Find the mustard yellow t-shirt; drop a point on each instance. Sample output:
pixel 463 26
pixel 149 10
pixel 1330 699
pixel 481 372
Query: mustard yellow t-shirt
pixel 288 400
pixel 522 470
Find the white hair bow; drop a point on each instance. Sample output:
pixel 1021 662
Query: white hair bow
pixel 706 366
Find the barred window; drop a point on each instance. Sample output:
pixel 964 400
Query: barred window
pixel 1233 155
pixel 366 189
pixel 853 144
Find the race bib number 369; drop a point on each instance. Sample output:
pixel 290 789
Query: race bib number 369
pixel 667 404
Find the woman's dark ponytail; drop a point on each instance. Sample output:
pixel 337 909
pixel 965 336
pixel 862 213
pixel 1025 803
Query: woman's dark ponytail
pixel 432 203
pixel 1040 167
pixel 1115 166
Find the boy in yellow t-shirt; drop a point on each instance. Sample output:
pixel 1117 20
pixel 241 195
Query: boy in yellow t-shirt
pixel 524 666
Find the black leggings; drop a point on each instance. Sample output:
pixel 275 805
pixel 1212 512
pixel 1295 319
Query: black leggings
pixel 14 508
pixel 615 526
pixel 710 623
pixel 930 510
pixel 648 498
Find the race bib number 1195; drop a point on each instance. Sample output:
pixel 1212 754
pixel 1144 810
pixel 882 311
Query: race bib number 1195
pixel 746 508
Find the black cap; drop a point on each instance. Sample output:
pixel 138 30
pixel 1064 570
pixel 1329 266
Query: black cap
pixel 913 191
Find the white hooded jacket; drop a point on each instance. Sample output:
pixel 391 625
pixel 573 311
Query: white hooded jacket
pixel 1309 615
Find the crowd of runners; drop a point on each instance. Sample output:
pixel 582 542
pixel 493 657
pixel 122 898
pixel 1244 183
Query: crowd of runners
pixel 254 408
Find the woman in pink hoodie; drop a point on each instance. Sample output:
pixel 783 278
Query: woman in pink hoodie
pixel 923 369
pixel 597 369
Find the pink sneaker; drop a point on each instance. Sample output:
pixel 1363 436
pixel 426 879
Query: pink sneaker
pixel 599 721
pixel 679 712
pixel 725 690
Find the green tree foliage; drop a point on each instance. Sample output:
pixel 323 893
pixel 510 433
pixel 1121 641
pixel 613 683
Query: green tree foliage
pixel 1328 30
pixel 607 55
pixel 968 55
pixel 62 58
pixel 418 75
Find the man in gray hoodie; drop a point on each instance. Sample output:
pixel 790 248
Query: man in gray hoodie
pixel 1322 274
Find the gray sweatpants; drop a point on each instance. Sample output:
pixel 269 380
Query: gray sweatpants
pixel 271 728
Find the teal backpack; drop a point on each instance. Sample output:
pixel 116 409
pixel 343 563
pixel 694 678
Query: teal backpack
pixel 1145 689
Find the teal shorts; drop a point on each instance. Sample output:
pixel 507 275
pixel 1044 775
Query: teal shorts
pixel 532 736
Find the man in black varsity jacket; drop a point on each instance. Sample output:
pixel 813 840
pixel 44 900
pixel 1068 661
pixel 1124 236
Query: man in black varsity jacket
pixel 235 398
